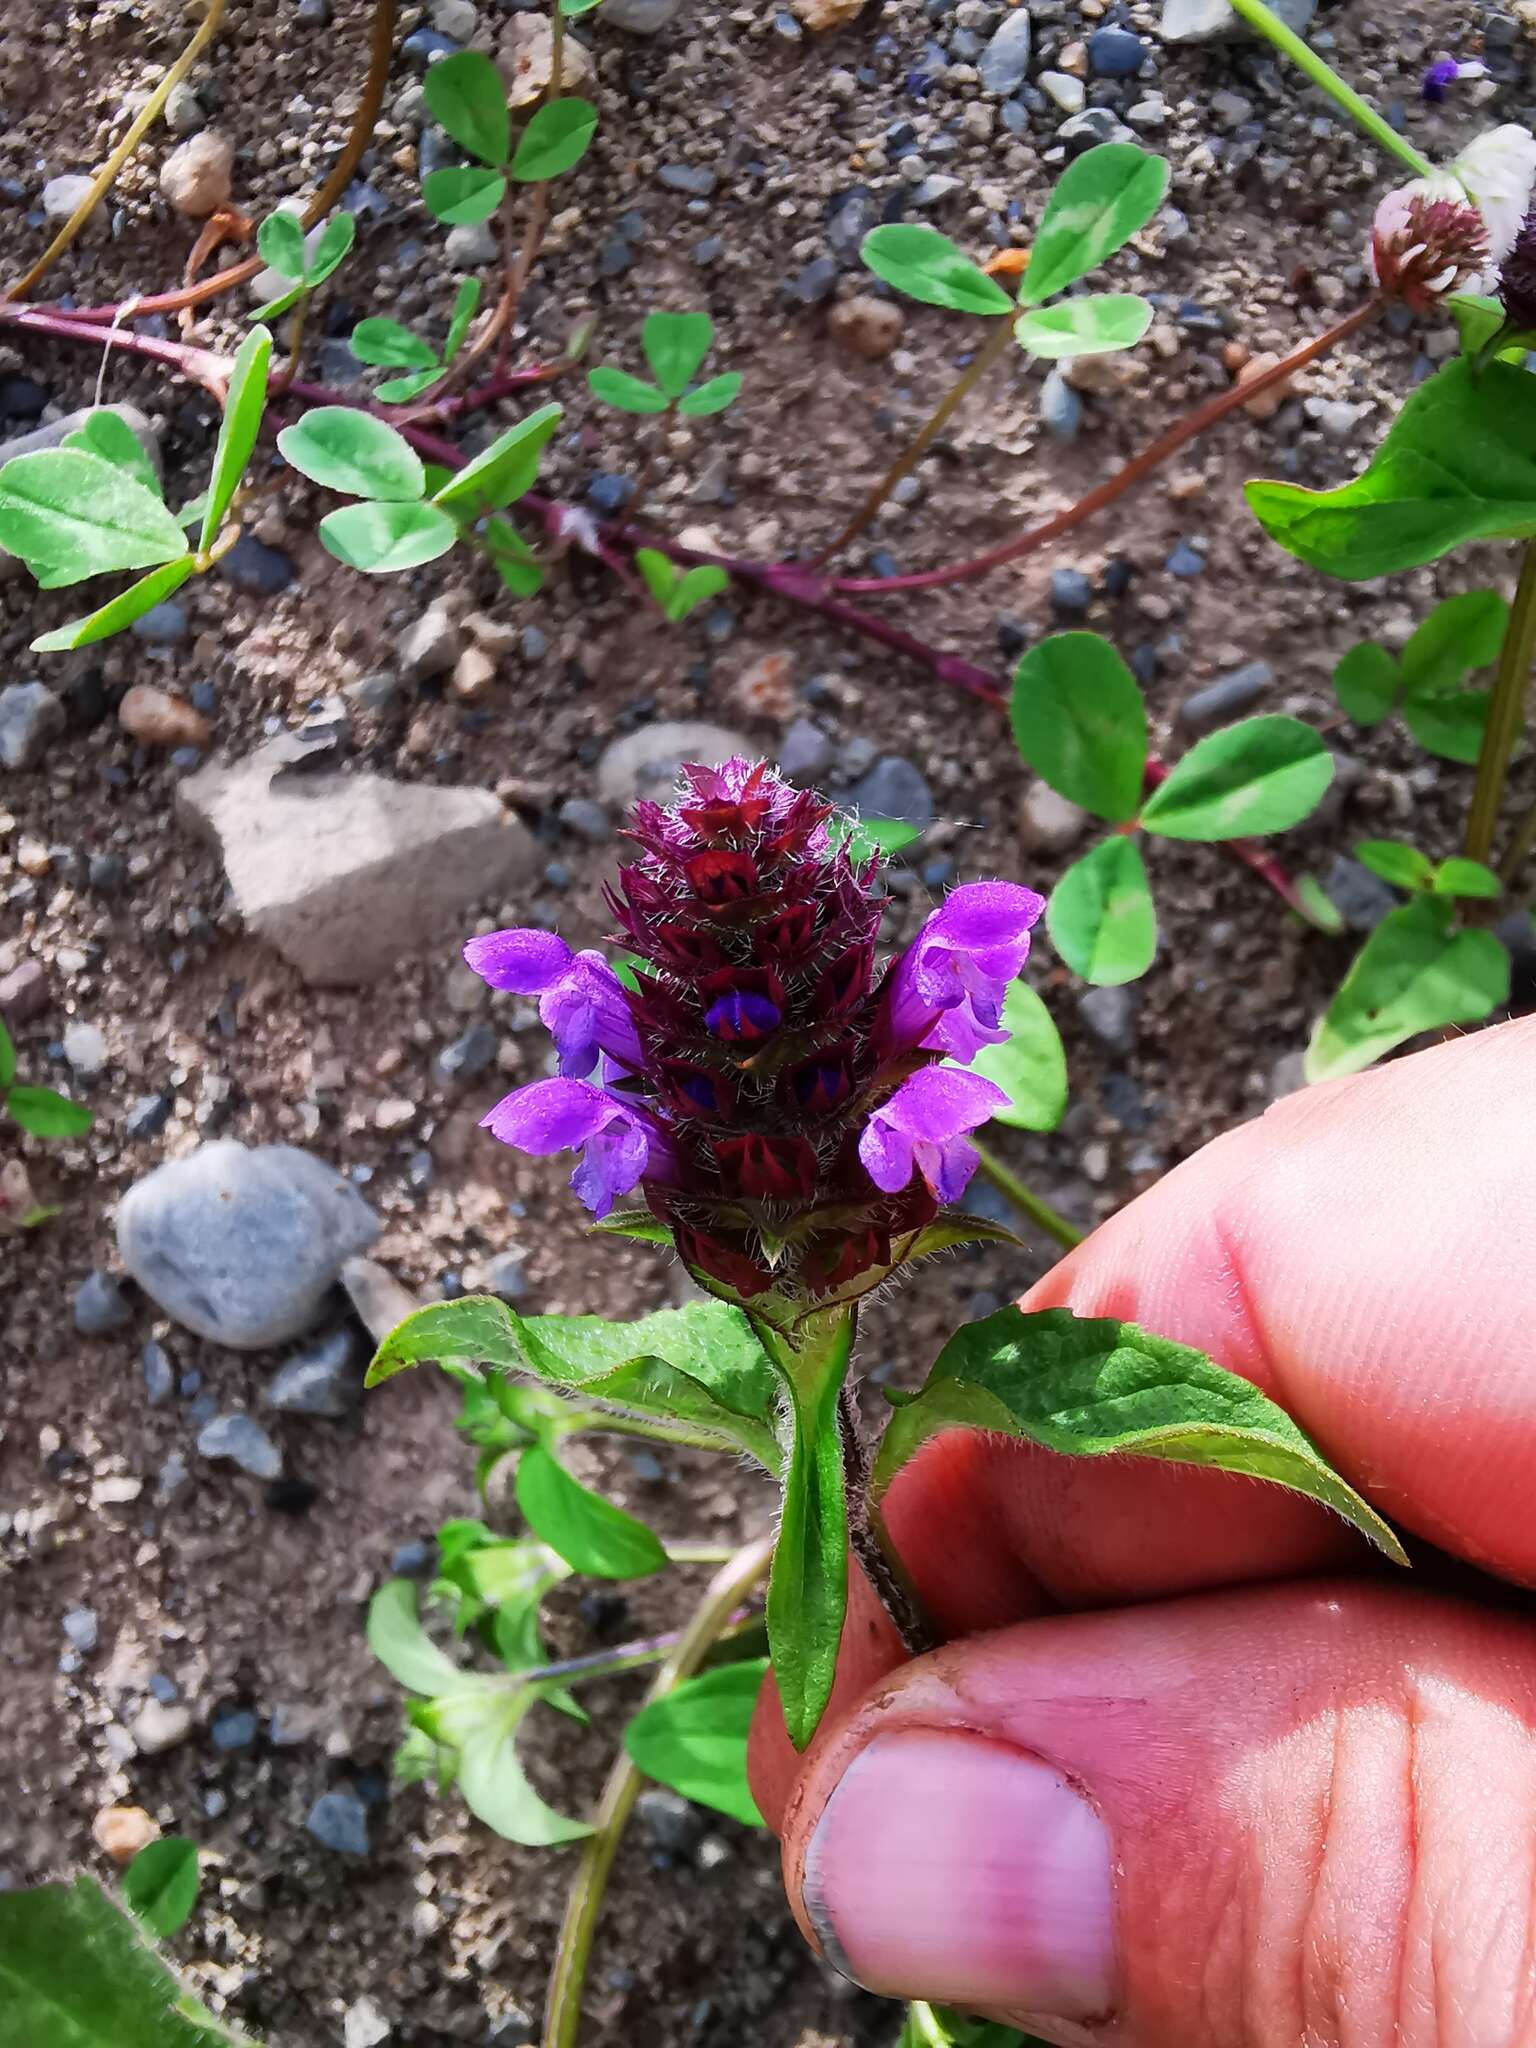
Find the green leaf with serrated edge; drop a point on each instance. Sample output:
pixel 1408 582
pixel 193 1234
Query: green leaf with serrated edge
pixel 509 467
pixel 1080 722
pixel 351 451
pixel 396 390
pixel 1101 916
pixel 674 345
pixel 1317 906
pixel 712 397
pixel 1401 865
pixel 694 1739
pixel 701 1365
pixel 465 97
pixel 1030 1066
pixel 1458 464
pixel 1260 775
pixel 625 393
pixel 1100 201
pixel 120 611
pixel 463 195
pixel 590 1533
pixel 1450 726
pixel 1462 634
pixel 1461 877
pixel 280 242
pixel 1092 326
pixel 1096 1387
pixel 46 1114
pixel 465 301
pixel 160 1884
pixel 697 587
pixel 922 264
pixel 75 1972
pixel 1413 974
pixel 382 539
pixel 636 1223
pixel 238 429
pixel 1366 683
pixel 331 248
pixel 555 140
pixel 7 1056
pixel 70 515
pixel 388 346
pixel 107 434
pixel 808 1583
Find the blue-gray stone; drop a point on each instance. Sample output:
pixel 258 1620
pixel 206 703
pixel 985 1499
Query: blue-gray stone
pixel 423 44
pixel 233 1728
pixel 535 644
pixel 243 1441
pixel 1071 592
pixel 106 873
pixel 1207 21
pixel 815 283
pixel 148 1117
pixel 1361 898
pixel 609 494
pixel 850 216
pixel 163 1689
pixel 413 1560
pixel 1228 695
pixel 505 1278
pixel 242 1244
pixel 694 179
pixel 159 1375
pixel 163 625
pixel 709 251
pixel 255 568
pixel 30 717
pixel 467 1056
pixel 339 1821
pixel 81 1628
pixel 1004 63
pixel 673 1825
pixel 894 788
pixel 1185 561
pixel 615 257
pixel 100 1306
pixel 804 752
pixel 1060 407
pixel 313 13
pixel 1110 1015
pixel 1116 53
pixel 319 1380
pixel 585 816
pixel 1085 131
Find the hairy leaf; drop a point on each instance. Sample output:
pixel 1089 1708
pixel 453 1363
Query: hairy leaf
pixel 694 1739
pixel 1101 916
pixel 1413 974
pixel 1100 201
pixel 808 1584
pixel 70 515
pixel 923 264
pixel 1260 775
pixel 1080 722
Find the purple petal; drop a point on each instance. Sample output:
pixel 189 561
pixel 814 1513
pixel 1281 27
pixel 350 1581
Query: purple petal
pixel 887 1155
pixel 742 1014
pixel 989 922
pixel 586 1012
pixel 550 1116
pixel 525 961
pixel 923 1125
pixel 611 1165
pixel 965 956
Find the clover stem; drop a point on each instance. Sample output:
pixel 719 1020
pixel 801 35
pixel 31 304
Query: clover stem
pixel 983 360
pixel 1506 712
pixel 724 1594
pixel 1322 74
pixel 1026 1201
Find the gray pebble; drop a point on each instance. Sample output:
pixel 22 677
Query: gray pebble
pixel 505 1278
pixel 339 1821
pixel 1085 131
pixel 694 179
pixel 669 1822
pixel 1110 1015
pixel 1206 21
pixel 244 1442
pixel 319 1380
pixel 1071 592
pixel 804 752
pixel 1116 53
pixel 1060 407
pixel 159 1376
pixel 413 1560
pixel 1228 695
pixel 253 567
pixel 85 1047
pixel 1361 898
pixel 100 1306
pixel 587 818
pixel 535 643
pixel 895 788
pixel 157 1727
pixel 183 113
pixel 233 1728
pixel 814 284
pixel 61 195
pixel 639 17
pixel 30 716
pixel 471 248
pixel 1004 63
pixel 148 1117
pixel 1185 561
pixel 378 693
pixel 467 1056
pixel 81 1628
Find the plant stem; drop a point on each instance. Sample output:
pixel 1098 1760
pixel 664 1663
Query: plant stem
pixel 626 1656
pixel 1141 466
pixel 1506 712
pixel 1026 1201
pixel 102 183
pixel 927 434
pixel 1321 73
pixel 867 1537
pixel 562 2011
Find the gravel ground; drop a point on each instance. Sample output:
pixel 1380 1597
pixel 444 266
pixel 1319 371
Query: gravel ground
pixel 739 157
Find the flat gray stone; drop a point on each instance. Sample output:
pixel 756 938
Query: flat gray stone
pixel 640 17
pixel 242 1442
pixel 1227 696
pixel 323 1379
pixel 1213 21
pixel 647 762
pixel 381 1301
pixel 242 1244
pixel 344 874
pixel 1004 63
pixel 30 716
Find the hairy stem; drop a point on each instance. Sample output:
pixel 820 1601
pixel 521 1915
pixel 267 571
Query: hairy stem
pixel 102 183
pixel 1136 471
pixel 867 1537
pixel 984 359
pixel 1506 712
pixel 632 1656
pixel 1305 58
pixel 1026 1201
pixel 726 1591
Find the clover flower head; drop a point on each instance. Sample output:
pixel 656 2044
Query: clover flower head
pixel 1427 240
pixel 772 1096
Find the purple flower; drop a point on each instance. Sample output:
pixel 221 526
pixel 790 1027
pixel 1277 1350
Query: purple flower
pixel 582 1002
pixel 1444 73
pixel 922 1126
pixel 946 991
pixel 617 1145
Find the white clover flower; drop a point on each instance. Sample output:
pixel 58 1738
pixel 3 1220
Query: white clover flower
pixel 1497 171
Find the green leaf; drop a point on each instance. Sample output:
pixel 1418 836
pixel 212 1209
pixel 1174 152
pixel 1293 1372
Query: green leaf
pixel 1317 906
pixel 675 344
pixel 808 1585
pixel 381 539
pixel 107 434
pixel 351 451
pixel 1080 722
pixel 77 1973
pixel 397 1638
pixel 508 468
pixel 160 1884
pixel 238 429
pixel 701 1365
pixel 1460 635
pixel 1478 320
pixel 1030 1066
pixel 516 563
pixel 118 612
pixel 465 301
pixel 1413 974
pixel 280 240
pixel 923 264
pixel 697 587
pixel 571 8
pixel 1260 775
pixel 1101 916
pixel 283 303
pixel 7 1056
pixel 331 248
pixel 590 1533
pixel 396 390
pixel 694 1739
pixel 555 140
pixel 466 97
pixel 463 194
pixel 867 837
pixel 1366 683
pixel 1093 1387
pixel 1450 726
pixel 712 397
pixel 1100 201
pixel 1084 327
pixel 47 1114
pixel 70 515
pixel 389 346
pixel 1457 464
pixel 1460 877
pixel 935 2026
pixel 625 393
pixel 1403 866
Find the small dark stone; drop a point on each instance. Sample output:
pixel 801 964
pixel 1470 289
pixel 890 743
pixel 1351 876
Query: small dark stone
pixel 100 1306
pixel 107 873
pixel 339 1821
pixel 467 1056
pixel 609 494
pixel 669 1822
pixel 313 13
pixel 1118 575
pixel 1361 898
pixel 883 563
pixel 413 1560
pixel 604 1610
pixel 586 817
pixel 159 1375
pixel 505 1278
pixel 814 284
pixel 187 760
pixel 694 179
pixel 423 44
pixel 615 257
pixel 1071 592
pixel 1012 637
pixel 894 788
pixel 292 1496
pixel 1185 561
pixel 148 1117
pixel 233 1728
pixel 255 568
pixel 1116 53
pixel 22 398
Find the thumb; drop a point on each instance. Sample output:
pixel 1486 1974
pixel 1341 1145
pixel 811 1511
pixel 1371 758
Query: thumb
pixel 1237 1821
